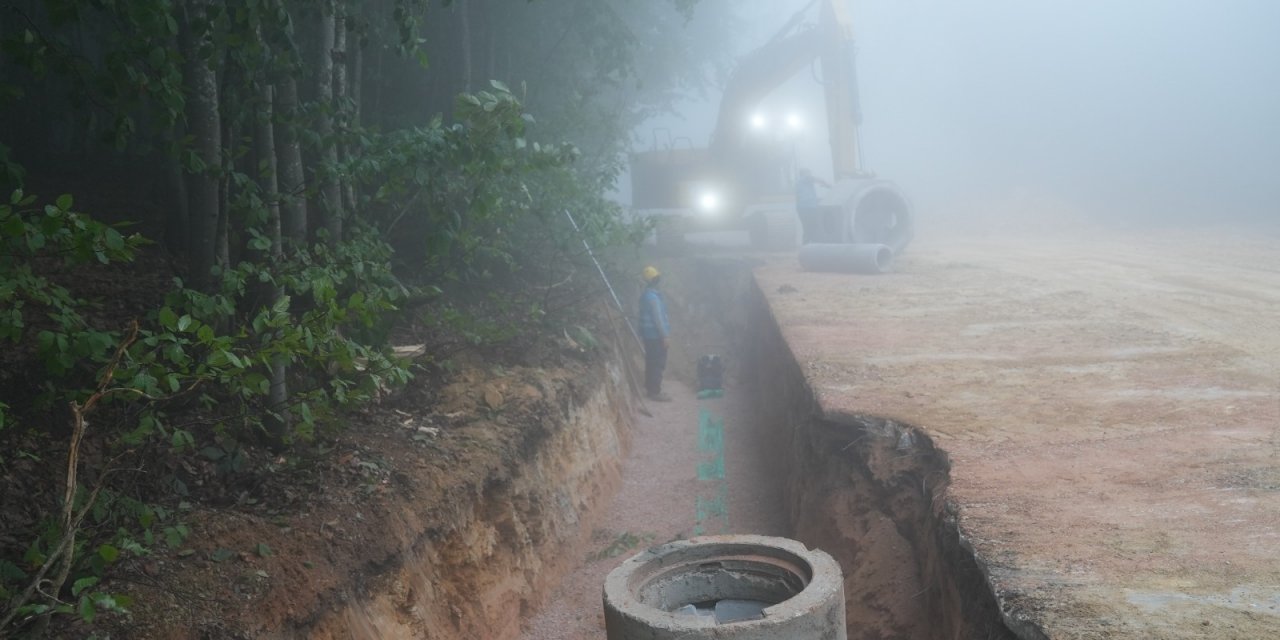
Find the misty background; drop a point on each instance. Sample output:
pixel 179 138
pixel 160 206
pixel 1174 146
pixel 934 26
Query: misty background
pixel 1042 113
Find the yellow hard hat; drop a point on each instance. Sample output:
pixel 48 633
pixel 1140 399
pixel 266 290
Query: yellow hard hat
pixel 650 274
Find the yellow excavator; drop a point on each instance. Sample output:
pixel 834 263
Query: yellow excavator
pixel 746 180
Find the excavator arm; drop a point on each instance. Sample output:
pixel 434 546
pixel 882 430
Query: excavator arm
pixel 796 45
pixel 840 75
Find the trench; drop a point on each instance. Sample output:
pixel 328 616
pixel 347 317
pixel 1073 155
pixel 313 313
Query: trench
pixel 868 491
pixel 872 493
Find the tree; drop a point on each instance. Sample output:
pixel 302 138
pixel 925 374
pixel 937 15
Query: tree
pixel 402 128
pixel 205 124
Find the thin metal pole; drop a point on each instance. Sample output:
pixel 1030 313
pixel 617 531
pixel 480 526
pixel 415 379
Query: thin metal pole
pixel 604 277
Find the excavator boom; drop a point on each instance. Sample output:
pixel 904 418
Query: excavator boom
pixel 765 69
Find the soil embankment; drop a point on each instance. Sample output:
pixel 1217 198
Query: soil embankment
pixel 447 515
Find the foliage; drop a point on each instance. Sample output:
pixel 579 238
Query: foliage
pixel 199 345
pixel 462 185
pixel 55 234
pixel 331 328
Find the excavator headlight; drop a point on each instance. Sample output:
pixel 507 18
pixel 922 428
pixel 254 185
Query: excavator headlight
pixel 795 122
pixel 759 121
pixel 709 202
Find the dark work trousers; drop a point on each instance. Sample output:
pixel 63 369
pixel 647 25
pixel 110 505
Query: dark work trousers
pixel 655 361
pixel 810 224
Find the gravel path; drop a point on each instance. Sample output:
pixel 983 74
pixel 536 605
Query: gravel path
pixel 658 501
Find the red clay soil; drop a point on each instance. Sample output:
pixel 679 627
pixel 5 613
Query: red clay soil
pixel 1110 407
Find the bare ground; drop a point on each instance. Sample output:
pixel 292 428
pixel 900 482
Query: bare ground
pixel 1110 406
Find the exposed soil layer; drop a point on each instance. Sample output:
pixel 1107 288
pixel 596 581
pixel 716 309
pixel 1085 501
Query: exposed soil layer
pixel 871 492
pixel 446 515
pixel 1108 407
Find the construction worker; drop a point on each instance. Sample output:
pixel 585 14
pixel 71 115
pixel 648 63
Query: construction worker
pixel 655 330
pixel 807 205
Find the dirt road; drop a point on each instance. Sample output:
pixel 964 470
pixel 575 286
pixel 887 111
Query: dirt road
pixel 1110 405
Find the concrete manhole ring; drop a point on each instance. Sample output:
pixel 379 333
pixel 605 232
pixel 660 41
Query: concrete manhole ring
pixel 726 587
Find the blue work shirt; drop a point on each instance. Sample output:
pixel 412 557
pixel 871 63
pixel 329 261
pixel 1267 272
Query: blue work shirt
pixel 806 193
pixel 653 315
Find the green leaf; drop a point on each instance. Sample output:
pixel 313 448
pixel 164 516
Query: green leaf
pixel 281 304
pixel 87 610
pixel 113 240
pixel 168 319
pixel 107 602
pixel 82 584
pixel 175 536
pixel 108 553
pixel 64 202
pixel 183 439
pixel 264 550
pixel 122 603
pixel 217 359
pixel 184 322
pixel 16 197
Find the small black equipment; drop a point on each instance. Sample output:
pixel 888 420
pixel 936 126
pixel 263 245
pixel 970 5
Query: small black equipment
pixel 710 373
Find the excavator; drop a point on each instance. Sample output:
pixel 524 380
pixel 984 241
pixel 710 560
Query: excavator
pixel 743 179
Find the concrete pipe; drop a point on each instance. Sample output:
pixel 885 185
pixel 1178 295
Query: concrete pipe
pixel 867 211
pixel 727 588
pixel 846 258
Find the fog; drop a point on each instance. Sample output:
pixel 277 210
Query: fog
pixel 1135 111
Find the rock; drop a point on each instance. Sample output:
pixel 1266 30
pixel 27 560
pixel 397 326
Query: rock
pixel 493 398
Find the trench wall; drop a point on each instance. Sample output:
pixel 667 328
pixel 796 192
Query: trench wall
pixel 872 493
pixel 476 570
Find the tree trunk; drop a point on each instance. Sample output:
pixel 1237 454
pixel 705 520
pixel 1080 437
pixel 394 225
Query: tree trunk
pixel 491 49
pixel 176 222
pixel 292 181
pixel 277 418
pixel 222 243
pixel 465 33
pixel 355 80
pixel 341 91
pixel 330 196
pixel 204 121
